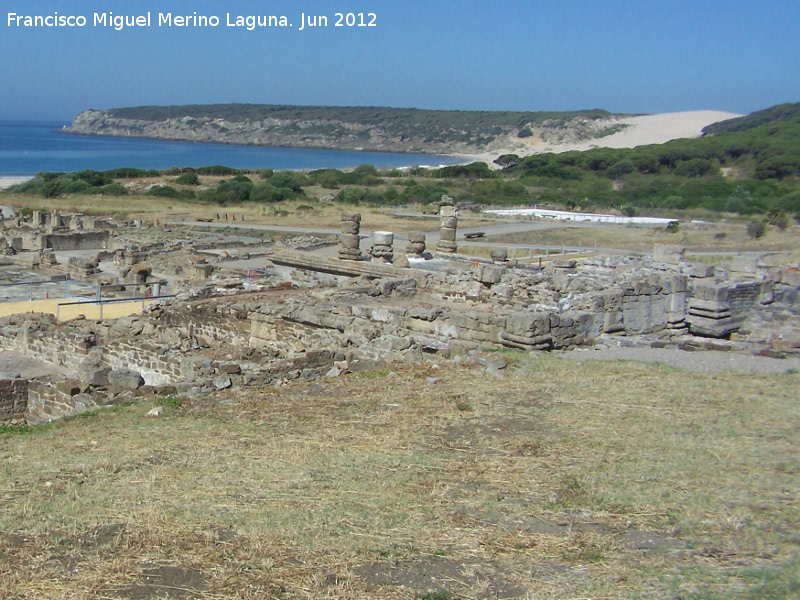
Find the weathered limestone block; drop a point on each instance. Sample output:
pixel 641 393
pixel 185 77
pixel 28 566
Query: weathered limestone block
pixel 416 244
pixel 350 228
pixel 645 314
pixel 449 222
pixel 447 233
pixel 529 331
pixel 489 274
pixel 125 379
pixel 499 255
pixel 349 239
pixel 382 249
pixel 701 271
pixel 717 310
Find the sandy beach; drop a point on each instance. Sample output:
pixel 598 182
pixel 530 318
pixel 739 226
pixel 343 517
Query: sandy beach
pixel 640 131
pixel 6 182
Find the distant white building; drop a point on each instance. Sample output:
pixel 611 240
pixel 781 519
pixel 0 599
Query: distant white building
pixel 563 215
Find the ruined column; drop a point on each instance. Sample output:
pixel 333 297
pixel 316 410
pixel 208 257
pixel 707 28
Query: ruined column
pixel 416 244
pixel 447 236
pixel 381 249
pixel 350 242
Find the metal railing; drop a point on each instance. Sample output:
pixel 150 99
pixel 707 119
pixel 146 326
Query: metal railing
pixel 102 302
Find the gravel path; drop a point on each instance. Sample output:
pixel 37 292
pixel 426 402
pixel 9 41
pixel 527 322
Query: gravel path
pixel 701 360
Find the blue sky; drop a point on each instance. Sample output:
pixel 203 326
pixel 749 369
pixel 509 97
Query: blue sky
pixel 624 56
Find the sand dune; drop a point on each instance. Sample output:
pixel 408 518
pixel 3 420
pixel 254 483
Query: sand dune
pixel 648 129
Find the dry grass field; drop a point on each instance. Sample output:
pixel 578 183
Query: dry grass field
pixel 566 479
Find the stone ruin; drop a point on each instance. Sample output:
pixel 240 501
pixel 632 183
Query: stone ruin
pixel 350 239
pixel 416 244
pixel 320 317
pixel 54 231
pixel 382 248
pixel 447 232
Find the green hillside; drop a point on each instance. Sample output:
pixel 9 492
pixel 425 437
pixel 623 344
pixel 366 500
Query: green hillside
pixel 748 165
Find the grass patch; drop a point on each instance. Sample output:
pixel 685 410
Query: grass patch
pixel 568 479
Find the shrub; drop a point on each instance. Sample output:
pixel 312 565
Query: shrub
pixel 127 173
pixel 53 189
pixel 266 192
pixel 289 179
pixel 756 229
pixel 327 178
pixel 33 185
pixel 366 170
pixel 351 195
pixel 217 170
pixel 228 192
pixel 779 219
pixel 697 167
pixel 620 168
pixel 78 186
pixel 188 179
pixel 164 191
pixel 93 178
pixel 112 189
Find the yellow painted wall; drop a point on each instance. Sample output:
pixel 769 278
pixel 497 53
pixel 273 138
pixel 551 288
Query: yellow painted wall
pixel 67 313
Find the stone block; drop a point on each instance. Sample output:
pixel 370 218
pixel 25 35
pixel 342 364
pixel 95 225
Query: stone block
pixel 350 228
pixel 349 240
pixel 701 271
pixel 383 238
pixel 125 379
pixel 790 277
pixel 447 235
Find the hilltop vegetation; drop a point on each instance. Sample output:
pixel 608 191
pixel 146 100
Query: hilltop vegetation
pixel 391 118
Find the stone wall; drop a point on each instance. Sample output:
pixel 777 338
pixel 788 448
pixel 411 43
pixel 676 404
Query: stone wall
pixel 13 401
pixel 64 348
pixel 55 398
pixel 156 364
pixel 718 309
pixel 374 326
pixel 87 240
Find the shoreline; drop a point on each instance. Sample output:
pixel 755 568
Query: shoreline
pixel 639 130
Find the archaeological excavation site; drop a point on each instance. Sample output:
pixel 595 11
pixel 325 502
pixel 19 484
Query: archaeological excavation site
pixel 98 312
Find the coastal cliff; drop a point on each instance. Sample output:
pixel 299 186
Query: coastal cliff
pixel 348 128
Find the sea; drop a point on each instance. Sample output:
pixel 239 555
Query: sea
pixel 30 147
